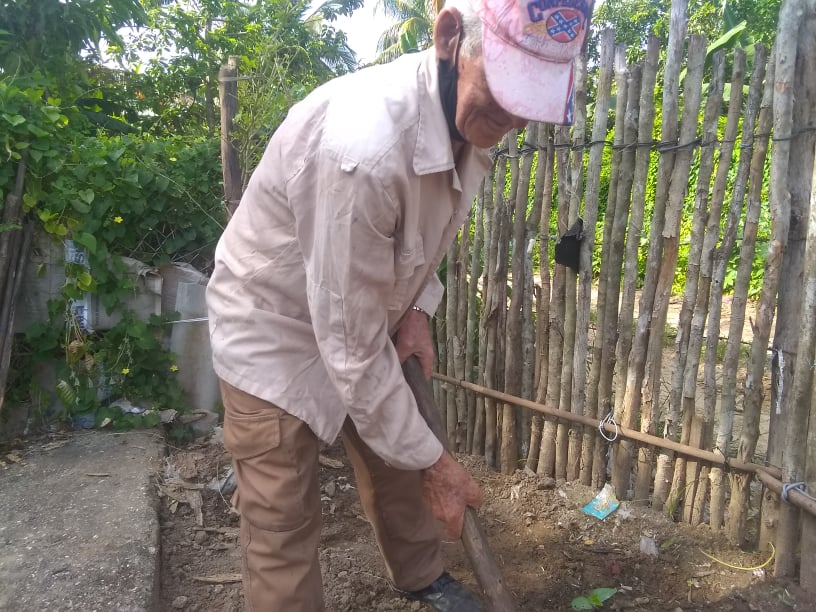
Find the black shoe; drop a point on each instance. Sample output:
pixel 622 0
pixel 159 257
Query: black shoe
pixel 446 594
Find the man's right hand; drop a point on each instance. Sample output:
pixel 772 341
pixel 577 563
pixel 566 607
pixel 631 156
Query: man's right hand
pixel 448 490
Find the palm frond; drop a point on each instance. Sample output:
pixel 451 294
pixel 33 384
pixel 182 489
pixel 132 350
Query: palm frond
pixel 389 54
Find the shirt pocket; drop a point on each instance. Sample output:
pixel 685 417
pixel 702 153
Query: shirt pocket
pixel 408 258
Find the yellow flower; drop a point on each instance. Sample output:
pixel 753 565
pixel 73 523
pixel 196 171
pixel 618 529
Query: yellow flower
pixel 174 368
pixel 117 219
pixel 125 371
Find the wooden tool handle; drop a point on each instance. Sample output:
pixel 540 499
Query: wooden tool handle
pixel 474 539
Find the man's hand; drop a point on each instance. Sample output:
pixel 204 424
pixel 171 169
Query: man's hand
pixel 448 490
pixel 414 338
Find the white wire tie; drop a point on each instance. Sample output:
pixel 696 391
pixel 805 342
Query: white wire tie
pixel 609 419
pixel 195 320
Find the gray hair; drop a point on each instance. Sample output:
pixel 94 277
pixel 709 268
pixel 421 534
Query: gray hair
pixel 471 26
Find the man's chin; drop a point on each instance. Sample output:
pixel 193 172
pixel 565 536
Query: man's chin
pixel 484 141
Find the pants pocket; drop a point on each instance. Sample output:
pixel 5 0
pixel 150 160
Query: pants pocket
pixel 272 457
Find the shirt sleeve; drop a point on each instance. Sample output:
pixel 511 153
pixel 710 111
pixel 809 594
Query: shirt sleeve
pixel 431 295
pixel 345 227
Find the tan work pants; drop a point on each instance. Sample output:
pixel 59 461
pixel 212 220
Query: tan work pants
pixel 275 457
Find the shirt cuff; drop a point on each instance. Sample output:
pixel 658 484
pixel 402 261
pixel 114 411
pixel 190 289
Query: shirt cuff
pixel 431 295
pixel 422 456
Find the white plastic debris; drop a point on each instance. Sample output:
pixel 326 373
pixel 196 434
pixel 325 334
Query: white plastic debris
pixel 648 546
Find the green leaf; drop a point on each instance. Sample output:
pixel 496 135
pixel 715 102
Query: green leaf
pixel 87 195
pixel 56 228
pixel 85 281
pixel 162 182
pixel 80 206
pixel 37 130
pixel 604 593
pixel 14 120
pixel 86 240
pixel 582 603
pixel 728 39
pixel 117 153
pixel 30 201
pixel 53 114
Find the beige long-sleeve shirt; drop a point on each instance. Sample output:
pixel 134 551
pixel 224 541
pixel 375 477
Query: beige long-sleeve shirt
pixel 340 231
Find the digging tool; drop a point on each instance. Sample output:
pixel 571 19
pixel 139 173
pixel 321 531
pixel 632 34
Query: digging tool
pixel 474 539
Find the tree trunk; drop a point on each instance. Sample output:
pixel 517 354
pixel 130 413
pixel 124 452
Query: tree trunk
pixel 490 318
pixel 530 373
pixel 637 356
pixel 629 82
pixel 568 321
pixel 692 87
pixel 807 98
pixel 231 168
pixel 487 247
pixel 785 365
pixel 544 187
pixel 769 509
pixel 715 262
pixel 631 255
pixel 546 459
pixel 803 390
pixel 588 399
pixel 460 337
pixel 788 539
pixel 15 245
pixel 576 394
pixel 441 326
pixel 452 295
pixel 687 351
pixel 472 346
pixel 519 188
pixel 496 306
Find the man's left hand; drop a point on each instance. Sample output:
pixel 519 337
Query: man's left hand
pixel 414 338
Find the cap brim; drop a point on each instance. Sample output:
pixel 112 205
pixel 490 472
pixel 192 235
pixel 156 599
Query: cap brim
pixel 526 86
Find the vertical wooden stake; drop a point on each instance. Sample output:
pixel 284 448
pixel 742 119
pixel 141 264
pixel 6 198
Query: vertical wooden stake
pixel 228 91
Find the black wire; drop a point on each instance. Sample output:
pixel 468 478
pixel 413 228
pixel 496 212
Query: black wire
pixel 665 146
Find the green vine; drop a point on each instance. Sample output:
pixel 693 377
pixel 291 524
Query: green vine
pixel 154 200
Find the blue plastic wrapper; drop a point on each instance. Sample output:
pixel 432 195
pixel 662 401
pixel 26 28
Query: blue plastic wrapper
pixel 604 504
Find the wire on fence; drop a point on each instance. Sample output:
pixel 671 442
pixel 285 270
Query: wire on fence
pixel 609 419
pixel 661 146
pixel 794 486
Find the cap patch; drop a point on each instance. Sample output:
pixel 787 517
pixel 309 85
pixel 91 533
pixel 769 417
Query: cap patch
pixel 563 25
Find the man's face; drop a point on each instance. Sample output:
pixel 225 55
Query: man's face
pixel 479 118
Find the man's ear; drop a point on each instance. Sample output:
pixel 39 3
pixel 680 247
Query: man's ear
pixel 447 32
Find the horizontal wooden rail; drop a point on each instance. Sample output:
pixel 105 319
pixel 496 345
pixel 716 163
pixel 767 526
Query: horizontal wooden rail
pixel 795 497
pixel 689 451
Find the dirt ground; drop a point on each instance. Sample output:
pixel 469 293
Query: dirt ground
pixel 550 551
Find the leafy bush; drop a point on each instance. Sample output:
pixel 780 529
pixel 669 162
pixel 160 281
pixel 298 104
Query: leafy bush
pixel 155 200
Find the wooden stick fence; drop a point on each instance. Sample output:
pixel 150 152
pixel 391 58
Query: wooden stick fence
pixel 688 200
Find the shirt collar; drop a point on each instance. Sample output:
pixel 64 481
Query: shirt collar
pixel 433 152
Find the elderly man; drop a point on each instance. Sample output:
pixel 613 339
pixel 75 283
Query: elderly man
pixel 324 283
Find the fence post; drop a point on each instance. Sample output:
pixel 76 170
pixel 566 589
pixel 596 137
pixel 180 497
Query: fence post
pixel 228 92
pixel 796 76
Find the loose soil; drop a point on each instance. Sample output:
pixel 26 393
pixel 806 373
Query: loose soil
pixel 549 550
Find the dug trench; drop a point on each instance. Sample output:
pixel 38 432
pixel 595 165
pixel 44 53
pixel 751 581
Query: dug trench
pixel 549 550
